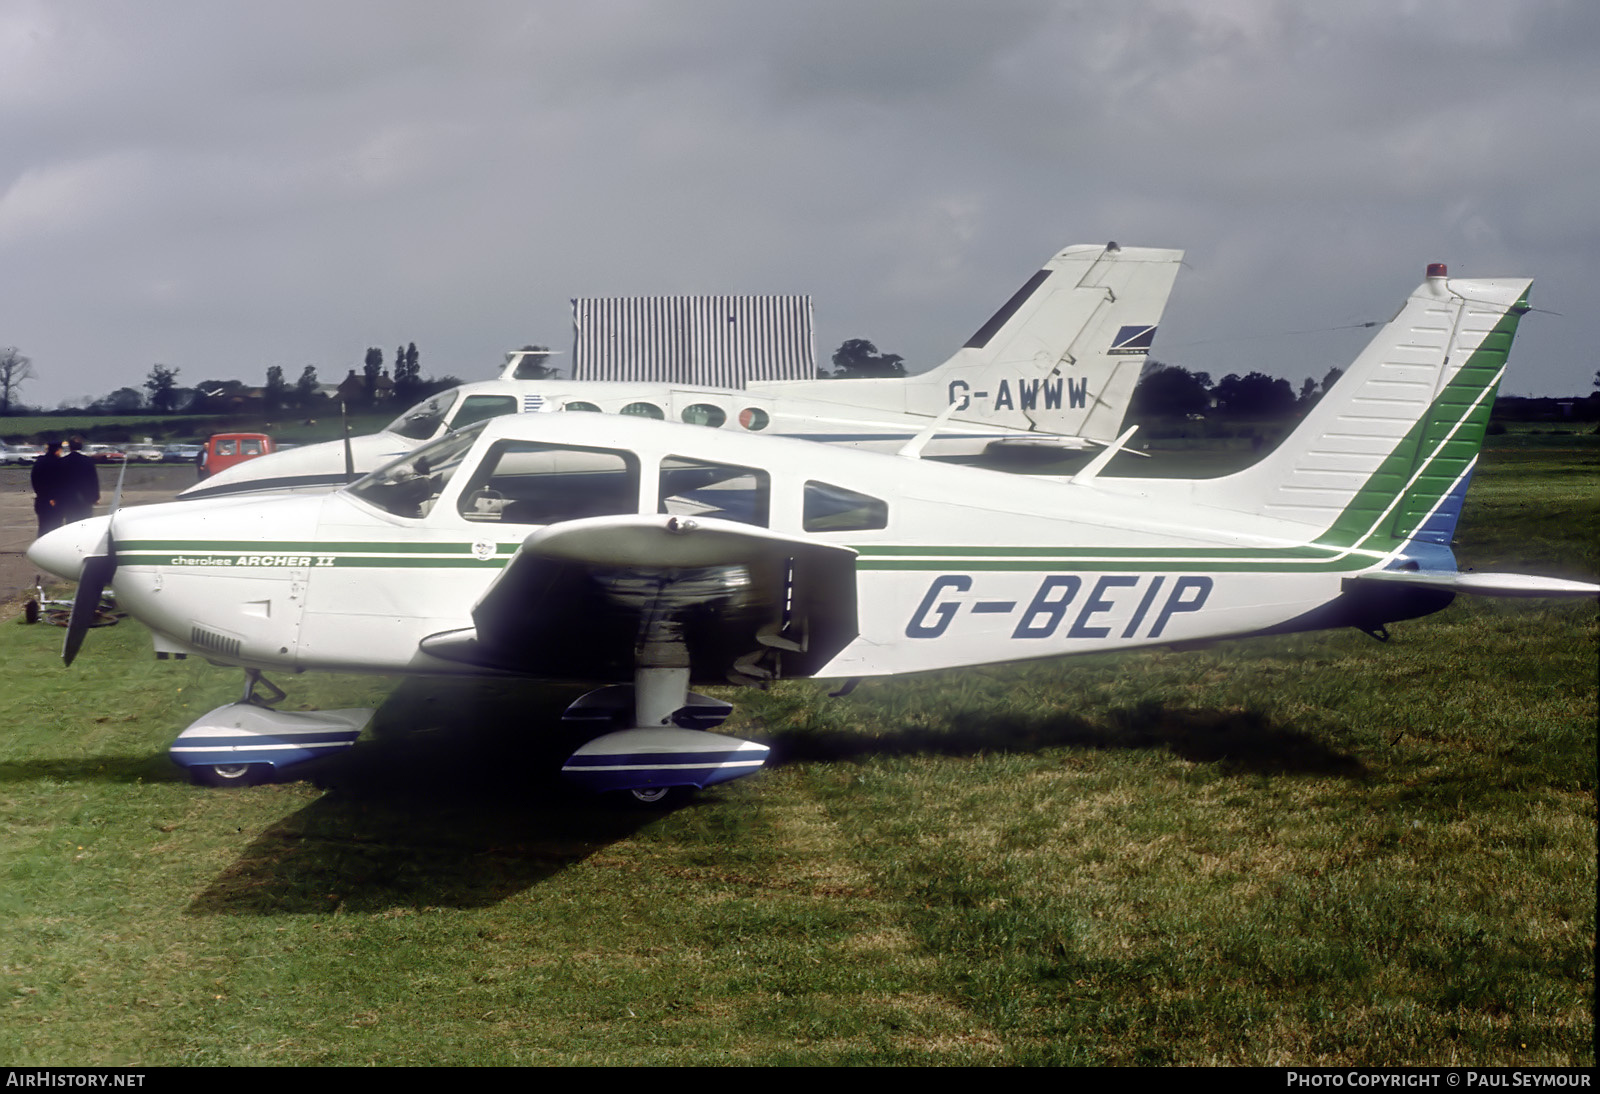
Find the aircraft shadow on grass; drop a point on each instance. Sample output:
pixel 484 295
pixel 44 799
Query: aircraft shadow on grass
pixel 1238 741
pixel 452 800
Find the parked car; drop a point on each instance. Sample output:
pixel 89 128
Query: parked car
pixel 105 453
pixel 144 453
pixel 182 453
pixel 224 450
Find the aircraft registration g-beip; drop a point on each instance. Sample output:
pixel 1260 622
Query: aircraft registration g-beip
pixel 653 557
pixel 1054 367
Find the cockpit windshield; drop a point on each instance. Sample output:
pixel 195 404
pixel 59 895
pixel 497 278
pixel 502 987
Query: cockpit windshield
pixel 409 486
pixel 423 420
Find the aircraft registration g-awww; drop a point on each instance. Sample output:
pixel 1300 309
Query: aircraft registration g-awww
pixel 1054 367
pixel 650 558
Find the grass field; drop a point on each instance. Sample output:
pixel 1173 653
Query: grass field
pixel 1304 850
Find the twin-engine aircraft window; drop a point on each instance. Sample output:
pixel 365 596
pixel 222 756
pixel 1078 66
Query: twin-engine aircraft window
pixel 480 408
pixel 753 418
pixel 644 410
pixel 423 420
pixel 697 488
pixel 409 486
pixel 579 404
pixel 528 482
pixel 704 414
pixel 834 509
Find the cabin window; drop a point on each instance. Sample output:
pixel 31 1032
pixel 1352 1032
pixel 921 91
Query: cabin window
pixel 225 448
pixel 580 405
pixel 704 414
pixel 753 419
pixel 423 420
pixel 699 488
pixel 644 410
pixel 529 482
pixel 830 508
pixel 409 486
pixel 480 408
pixel 250 447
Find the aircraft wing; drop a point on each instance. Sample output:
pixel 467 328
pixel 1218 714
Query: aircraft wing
pixel 598 597
pixel 1482 584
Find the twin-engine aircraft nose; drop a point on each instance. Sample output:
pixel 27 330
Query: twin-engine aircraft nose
pixel 62 552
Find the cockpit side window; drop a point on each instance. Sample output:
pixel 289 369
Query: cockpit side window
pixel 529 482
pixel 409 486
pixel 480 408
pixel 830 508
pixel 699 488
pixel 423 420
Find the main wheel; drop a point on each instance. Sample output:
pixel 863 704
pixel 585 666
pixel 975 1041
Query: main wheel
pixel 230 774
pixel 655 797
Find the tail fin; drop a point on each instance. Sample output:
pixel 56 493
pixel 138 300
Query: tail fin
pixel 1061 356
pixel 1385 457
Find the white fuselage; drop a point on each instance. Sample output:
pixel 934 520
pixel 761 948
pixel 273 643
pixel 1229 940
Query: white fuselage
pixel 335 582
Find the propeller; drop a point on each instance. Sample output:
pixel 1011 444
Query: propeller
pixel 93 578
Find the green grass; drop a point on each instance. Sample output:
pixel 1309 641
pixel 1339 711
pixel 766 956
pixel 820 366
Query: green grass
pixel 1305 850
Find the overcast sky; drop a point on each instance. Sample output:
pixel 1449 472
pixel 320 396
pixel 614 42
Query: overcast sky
pixel 223 187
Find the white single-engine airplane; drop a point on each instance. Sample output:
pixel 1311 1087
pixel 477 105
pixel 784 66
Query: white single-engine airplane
pixel 1055 367
pixel 652 557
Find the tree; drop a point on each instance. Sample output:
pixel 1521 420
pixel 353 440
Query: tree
pixel 1255 395
pixel 276 393
pixel 305 390
pixel 407 375
pixel 15 370
pixel 162 384
pixel 1170 391
pixel 220 397
pixel 535 364
pixel 124 400
pixel 858 358
pixel 371 370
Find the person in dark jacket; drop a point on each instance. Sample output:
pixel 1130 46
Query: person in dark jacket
pixel 80 484
pixel 46 479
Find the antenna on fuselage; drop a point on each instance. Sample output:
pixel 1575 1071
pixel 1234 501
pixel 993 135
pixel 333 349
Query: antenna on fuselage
pixel 912 449
pixel 349 455
pixel 1092 468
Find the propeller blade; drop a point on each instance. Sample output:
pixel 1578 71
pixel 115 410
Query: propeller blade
pixel 96 575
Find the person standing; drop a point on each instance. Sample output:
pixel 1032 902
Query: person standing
pixel 80 484
pixel 46 479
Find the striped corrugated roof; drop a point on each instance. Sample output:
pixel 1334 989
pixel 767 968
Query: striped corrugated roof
pixel 705 341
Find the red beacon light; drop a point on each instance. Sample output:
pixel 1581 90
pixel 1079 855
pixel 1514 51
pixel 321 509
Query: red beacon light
pixel 1437 269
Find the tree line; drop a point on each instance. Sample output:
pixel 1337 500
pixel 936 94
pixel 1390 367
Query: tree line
pixel 1170 391
pixel 1163 391
pixel 163 393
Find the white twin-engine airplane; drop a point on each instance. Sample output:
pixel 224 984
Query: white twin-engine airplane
pixel 1054 367
pixel 653 557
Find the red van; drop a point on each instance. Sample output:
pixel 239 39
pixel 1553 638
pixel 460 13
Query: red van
pixel 224 450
